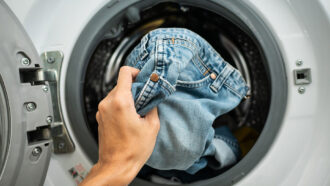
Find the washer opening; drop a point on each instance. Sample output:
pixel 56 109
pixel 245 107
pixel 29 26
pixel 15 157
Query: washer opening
pixel 248 45
pixel 237 47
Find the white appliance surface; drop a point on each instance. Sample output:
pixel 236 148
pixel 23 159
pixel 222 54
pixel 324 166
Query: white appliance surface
pixel 300 155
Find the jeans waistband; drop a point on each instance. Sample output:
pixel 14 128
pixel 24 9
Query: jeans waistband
pixel 209 60
pixel 189 39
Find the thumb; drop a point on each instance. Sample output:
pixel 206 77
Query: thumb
pixel 152 118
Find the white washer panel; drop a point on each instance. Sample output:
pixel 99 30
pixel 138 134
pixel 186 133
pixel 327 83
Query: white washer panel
pixel 300 154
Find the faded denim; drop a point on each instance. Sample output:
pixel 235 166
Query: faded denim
pixel 191 85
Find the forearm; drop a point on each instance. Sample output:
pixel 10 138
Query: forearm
pixel 114 175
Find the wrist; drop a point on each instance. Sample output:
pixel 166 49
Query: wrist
pixel 118 174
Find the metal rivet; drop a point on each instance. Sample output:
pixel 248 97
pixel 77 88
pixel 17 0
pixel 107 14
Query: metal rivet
pixel 45 88
pixel 49 119
pixel 301 90
pixel 299 62
pixel 51 59
pixel 61 145
pixel 25 61
pixel 31 106
pixel 213 76
pixel 36 151
pixel 154 77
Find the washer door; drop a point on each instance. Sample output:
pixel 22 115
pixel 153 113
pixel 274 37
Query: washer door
pixel 25 107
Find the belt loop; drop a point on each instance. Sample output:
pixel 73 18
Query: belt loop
pixel 160 57
pixel 221 78
pixel 144 52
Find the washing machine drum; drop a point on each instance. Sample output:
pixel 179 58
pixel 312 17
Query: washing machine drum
pixel 232 28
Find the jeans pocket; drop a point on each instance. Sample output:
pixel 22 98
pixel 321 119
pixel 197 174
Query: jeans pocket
pixel 194 84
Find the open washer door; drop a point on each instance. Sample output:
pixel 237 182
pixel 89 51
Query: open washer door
pixel 25 106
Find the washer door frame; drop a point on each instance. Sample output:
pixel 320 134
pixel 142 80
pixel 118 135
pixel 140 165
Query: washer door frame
pixel 24 107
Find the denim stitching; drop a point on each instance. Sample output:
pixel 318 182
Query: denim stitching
pixel 233 90
pixel 168 91
pixel 198 64
pixel 205 66
pixel 194 84
pixel 226 140
pixel 141 93
pixel 144 46
pixel 139 100
pixel 197 84
pixel 169 87
pixel 188 43
pixel 145 101
pixel 193 47
pixel 221 78
pixel 136 52
pixel 195 53
pixel 145 94
pixel 159 67
pixel 140 63
pixel 186 39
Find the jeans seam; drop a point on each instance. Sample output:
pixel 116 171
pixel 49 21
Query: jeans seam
pixel 140 63
pixel 196 63
pixel 196 51
pixel 177 35
pixel 193 47
pixel 140 103
pixel 159 57
pixel 164 81
pixel 146 96
pixel 233 90
pixel 193 84
pixel 226 140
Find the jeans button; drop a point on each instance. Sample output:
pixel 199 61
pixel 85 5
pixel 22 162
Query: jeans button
pixel 154 77
pixel 213 76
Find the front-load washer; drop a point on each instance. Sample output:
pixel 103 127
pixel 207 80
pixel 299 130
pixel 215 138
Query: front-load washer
pixel 48 103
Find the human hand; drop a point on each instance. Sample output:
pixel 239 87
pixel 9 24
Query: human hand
pixel 126 140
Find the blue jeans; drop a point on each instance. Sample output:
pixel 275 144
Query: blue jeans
pixel 191 85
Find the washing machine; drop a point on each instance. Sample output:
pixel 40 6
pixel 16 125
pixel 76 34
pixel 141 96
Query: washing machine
pixel 60 58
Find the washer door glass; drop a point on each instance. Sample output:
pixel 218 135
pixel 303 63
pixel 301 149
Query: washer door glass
pixel 24 106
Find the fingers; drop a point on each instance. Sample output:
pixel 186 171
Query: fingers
pixel 126 76
pixel 152 118
pixel 98 119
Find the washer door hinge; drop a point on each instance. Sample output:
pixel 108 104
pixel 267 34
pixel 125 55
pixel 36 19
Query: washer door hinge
pixel 49 78
pixel 51 74
pixel 52 61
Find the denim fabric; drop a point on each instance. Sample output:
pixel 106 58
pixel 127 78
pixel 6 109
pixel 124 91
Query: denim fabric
pixel 191 85
pixel 179 176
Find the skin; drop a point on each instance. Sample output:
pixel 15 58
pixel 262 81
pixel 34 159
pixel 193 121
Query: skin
pixel 126 140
